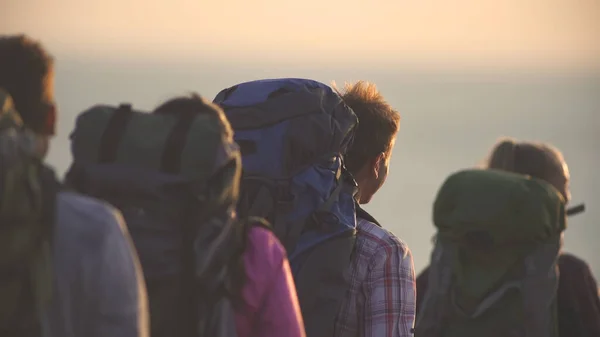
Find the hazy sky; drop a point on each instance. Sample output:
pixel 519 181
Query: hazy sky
pixel 503 33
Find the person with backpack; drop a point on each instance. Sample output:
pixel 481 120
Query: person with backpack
pixel 175 173
pixel 381 301
pixel 293 134
pixel 67 265
pixel 569 304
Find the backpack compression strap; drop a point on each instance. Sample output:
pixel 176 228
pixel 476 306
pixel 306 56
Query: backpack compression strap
pixel 36 288
pixel 50 188
pixel 361 213
pixel 117 126
pixel 319 218
pixel 262 198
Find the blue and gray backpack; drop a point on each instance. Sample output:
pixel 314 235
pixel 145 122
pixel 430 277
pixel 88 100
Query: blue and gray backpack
pixel 293 134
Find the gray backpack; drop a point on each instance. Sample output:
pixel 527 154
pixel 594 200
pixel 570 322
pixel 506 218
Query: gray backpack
pixel 174 178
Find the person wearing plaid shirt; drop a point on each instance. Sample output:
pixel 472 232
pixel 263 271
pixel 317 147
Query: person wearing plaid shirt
pixel 382 296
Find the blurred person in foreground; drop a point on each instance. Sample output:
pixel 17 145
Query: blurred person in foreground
pixel 577 298
pixel 67 263
pixel 381 300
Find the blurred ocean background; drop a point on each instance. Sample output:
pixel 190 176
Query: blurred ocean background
pixel 449 121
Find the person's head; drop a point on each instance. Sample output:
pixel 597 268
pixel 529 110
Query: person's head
pixel 27 75
pixel 378 123
pixel 223 186
pixel 538 160
pixel 225 181
pixel 194 103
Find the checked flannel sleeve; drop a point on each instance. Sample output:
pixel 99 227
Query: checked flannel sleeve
pixel 390 292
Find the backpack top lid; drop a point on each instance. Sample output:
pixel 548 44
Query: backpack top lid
pixel 258 91
pixel 489 222
pixel 510 208
pixel 194 147
pixel 250 105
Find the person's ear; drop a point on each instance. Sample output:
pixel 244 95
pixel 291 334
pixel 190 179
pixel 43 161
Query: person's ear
pixel 42 146
pixel 378 162
pixel 50 123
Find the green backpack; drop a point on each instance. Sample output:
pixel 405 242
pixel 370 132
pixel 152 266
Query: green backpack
pixel 493 269
pixel 174 177
pixel 28 190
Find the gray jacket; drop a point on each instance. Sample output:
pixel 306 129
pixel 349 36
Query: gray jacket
pixel 99 289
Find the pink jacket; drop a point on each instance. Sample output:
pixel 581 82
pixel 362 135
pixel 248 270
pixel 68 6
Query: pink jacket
pixel 271 306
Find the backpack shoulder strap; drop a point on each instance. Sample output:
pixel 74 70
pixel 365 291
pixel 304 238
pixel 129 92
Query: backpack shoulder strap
pixel 42 266
pixel 253 221
pixel 37 288
pixel 361 213
pixel 435 306
pixel 50 188
pixel 539 288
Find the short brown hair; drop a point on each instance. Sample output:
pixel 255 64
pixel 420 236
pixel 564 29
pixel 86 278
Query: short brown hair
pixel 197 104
pixel 25 70
pixel 378 123
pixel 539 160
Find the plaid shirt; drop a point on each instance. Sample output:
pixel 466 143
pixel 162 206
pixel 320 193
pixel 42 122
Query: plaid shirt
pixel 381 301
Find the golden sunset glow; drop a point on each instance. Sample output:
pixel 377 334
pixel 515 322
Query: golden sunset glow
pixel 552 33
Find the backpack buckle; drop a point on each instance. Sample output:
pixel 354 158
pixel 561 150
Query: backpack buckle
pixel 284 197
pixel 323 221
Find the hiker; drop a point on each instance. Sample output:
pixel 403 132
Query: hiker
pixel 381 301
pixel 292 134
pixel 174 174
pixel 578 305
pixel 67 263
